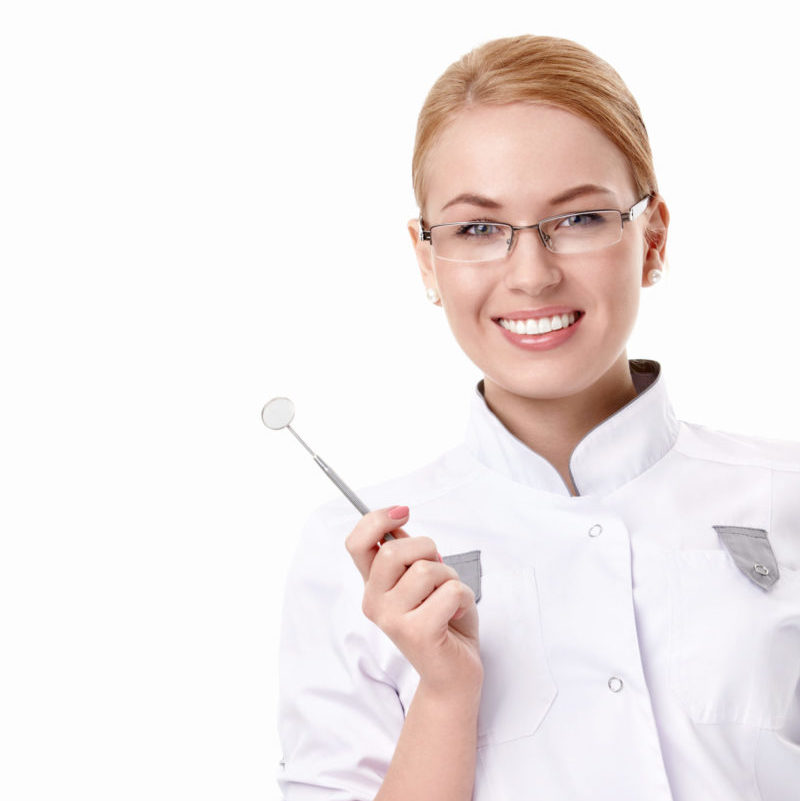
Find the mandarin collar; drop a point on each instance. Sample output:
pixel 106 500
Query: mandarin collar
pixel 614 452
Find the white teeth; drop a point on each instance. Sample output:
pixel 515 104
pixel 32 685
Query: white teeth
pixel 539 325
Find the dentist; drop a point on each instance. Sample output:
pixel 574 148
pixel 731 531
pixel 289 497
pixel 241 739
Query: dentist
pixel 599 601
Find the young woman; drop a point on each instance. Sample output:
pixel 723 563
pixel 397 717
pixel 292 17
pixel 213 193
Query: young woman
pixel 599 601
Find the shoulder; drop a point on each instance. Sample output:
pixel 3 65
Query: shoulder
pixel 771 464
pixel 701 442
pixel 451 470
pixel 328 525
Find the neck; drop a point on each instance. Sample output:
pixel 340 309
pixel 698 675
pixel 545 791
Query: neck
pixel 552 427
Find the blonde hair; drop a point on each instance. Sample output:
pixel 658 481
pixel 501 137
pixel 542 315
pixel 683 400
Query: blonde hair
pixel 540 69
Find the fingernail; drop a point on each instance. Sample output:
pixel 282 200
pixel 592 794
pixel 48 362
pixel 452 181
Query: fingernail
pixel 439 557
pixel 398 512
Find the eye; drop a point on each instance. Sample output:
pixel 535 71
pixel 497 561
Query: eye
pixel 479 230
pixel 582 219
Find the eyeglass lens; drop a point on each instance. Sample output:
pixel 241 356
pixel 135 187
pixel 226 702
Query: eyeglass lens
pixel 486 241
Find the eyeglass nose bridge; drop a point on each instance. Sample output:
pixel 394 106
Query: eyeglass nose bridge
pixel 543 237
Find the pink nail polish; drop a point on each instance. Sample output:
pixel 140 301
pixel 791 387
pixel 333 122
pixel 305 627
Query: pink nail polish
pixel 398 512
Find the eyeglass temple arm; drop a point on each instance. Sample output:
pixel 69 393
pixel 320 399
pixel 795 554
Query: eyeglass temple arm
pixel 637 209
pixel 424 236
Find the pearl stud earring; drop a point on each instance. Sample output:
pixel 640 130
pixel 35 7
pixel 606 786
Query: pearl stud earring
pixel 432 294
pixel 654 276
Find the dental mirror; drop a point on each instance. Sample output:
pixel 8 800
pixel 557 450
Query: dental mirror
pixel 277 414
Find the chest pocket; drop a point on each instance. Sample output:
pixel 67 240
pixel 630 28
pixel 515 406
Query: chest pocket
pixel 468 567
pixel 518 687
pixel 734 646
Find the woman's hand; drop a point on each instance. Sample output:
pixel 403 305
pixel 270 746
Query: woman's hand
pixel 418 602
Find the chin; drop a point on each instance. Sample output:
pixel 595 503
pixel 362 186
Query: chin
pixel 535 384
pixel 550 379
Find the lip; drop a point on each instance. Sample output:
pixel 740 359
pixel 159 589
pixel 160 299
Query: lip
pixel 540 341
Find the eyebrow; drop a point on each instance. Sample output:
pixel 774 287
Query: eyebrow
pixel 579 191
pixel 473 200
pixel 487 203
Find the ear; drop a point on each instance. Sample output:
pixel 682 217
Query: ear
pixel 422 250
pixel 655 237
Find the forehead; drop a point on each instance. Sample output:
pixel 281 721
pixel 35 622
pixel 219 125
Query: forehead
pixel 520 155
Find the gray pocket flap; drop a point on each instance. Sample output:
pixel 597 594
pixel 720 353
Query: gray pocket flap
pixel 468 567
pixel 752 553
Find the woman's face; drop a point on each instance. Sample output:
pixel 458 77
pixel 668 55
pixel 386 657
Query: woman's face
pixel 517 164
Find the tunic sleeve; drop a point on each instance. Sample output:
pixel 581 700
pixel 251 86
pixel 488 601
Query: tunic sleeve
pixel 340 715
pixel 777 760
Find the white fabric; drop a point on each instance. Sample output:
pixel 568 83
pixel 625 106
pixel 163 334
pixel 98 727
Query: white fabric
pixel 709 708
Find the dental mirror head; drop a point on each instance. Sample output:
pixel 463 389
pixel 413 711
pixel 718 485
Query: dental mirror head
pixel 277 413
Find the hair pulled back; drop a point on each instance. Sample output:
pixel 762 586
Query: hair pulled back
pixel 538 69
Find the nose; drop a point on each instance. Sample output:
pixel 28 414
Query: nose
pixel 530 266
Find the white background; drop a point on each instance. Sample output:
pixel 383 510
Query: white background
pixel 203 206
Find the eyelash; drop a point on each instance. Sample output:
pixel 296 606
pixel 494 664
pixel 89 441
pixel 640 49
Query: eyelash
pixel 468 224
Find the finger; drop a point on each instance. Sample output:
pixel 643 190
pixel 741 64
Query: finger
pixel 448 602
pixel 395 557
pixel 362 542
pixel 418 582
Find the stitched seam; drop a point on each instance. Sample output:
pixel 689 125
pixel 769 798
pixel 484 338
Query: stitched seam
pixel 772 507
pixel 337 502
pixel 755 764
pixel 742 461
pixel 463 558
pixel 743 531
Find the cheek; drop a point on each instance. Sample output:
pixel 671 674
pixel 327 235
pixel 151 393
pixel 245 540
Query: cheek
pixel 615 284
pixel 626 295
pixel 465 292
pixel 463 289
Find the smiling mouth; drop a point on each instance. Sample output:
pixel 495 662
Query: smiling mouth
pixel 540 325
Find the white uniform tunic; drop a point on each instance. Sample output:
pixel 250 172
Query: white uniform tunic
pixel 641 641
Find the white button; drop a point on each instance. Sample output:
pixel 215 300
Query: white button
pixel 761 570
pixel 596 530
pixel 615 684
